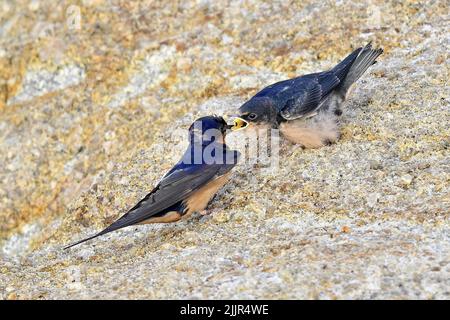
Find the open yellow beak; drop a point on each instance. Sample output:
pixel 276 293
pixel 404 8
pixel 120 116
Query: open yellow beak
pixel 239 124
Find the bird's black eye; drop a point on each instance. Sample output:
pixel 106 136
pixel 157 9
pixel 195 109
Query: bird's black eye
pixel 252 116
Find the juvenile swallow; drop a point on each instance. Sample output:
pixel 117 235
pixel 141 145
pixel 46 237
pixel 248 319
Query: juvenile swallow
pixel 190 185
pixel 306 109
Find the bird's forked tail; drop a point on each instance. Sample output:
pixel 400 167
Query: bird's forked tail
pixel 366 57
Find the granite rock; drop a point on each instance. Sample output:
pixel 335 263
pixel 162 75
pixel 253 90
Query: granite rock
pixel 95 101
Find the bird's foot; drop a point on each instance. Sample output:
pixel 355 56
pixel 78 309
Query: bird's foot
pixel 206 212
pixel 209 212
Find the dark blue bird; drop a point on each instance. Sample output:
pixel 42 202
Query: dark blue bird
pixel 190 185
pixel 306 108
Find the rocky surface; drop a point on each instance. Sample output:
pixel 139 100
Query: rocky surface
pixel 94 98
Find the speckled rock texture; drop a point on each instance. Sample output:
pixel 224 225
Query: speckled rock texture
pixel 93 94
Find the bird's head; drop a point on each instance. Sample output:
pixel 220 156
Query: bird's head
pixel 259 110
pixel 208 129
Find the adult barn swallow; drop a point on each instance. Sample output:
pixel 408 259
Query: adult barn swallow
pixel 306 108
pixel 191 184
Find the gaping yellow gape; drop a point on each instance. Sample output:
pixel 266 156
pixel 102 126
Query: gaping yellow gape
pixel 239 124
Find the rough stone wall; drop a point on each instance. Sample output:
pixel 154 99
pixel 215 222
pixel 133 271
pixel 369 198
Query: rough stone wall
pixel 92 91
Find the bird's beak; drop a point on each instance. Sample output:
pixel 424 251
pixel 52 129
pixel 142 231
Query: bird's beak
pixel 228 126
pixel 238 124
pixel 235 123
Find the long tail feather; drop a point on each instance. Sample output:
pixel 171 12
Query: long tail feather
pixel 366 57
pixel 89 238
